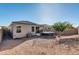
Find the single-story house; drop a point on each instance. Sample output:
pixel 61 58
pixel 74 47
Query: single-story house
pixel 19 29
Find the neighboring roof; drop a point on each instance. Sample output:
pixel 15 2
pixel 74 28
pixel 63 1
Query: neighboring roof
pixel 45 25
pixel 24 22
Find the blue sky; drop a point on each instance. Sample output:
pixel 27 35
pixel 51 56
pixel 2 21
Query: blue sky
pixel 39 13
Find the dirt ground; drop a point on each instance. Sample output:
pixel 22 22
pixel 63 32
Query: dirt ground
pixel 10 43
pixel 41 46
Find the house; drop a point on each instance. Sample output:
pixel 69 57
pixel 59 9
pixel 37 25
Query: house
pixel 47 28
pixel 19 29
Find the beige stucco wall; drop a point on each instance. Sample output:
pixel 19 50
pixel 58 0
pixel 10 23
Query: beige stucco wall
pixel 24 30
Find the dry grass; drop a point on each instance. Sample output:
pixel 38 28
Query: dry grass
pixel 45 47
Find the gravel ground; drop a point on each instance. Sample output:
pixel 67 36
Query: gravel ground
pixel 10 43
pixel 39 46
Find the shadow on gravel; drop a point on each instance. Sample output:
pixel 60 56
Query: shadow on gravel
pixel 69 41
pixel 11 43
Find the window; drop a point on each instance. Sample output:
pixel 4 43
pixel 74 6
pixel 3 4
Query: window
pixel 32 29
pixel 18 29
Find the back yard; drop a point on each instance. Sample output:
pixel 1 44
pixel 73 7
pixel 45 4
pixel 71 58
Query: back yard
pixel 41 46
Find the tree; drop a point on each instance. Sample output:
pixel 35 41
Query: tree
pixel 61 26
pixel 68 25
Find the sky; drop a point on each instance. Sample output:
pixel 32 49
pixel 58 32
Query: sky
pixel 39 13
